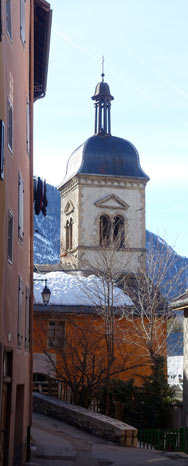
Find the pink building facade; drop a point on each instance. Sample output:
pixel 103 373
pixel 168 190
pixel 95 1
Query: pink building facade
pixel 24 49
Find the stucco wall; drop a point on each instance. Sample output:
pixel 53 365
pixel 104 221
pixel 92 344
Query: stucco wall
pixel 15 70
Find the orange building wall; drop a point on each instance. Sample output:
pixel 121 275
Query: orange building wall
pixel 131 354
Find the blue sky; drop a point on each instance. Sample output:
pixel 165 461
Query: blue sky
pixel 145 45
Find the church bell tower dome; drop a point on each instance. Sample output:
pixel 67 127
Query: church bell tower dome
pixel 102 153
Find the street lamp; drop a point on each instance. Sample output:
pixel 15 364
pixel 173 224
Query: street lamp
pixel 46 293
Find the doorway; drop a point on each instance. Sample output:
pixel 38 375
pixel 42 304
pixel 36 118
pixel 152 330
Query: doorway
pixel 18 429
pixel 6 407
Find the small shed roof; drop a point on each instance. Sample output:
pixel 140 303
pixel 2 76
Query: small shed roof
pixel 181 302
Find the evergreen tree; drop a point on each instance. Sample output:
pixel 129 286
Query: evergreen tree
pixel 157 397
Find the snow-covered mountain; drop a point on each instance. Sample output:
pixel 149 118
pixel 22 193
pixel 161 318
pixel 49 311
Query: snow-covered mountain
pixel 47 230
pixel 47 240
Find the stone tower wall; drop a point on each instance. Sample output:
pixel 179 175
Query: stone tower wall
pixel 92 196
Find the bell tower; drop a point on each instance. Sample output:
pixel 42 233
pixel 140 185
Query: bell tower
pixel 103 198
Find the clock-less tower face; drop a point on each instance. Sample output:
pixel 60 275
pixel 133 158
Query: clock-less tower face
pixel 103 199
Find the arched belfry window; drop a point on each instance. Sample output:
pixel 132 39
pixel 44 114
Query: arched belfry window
pixel 69 233
pixel 118 232
pixel 105 230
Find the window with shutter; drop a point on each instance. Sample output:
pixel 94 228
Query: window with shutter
pixel 20 207
pixel 20 304
pixel 2 149
pixel 8 18
pixel 10 236
pixel 10 126
pixel 28 127
pixel 27 318
pixel 22 21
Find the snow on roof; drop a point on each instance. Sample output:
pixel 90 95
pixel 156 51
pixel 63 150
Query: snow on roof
pixel 71 290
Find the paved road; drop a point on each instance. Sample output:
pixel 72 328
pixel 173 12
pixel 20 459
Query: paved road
pixel 58 444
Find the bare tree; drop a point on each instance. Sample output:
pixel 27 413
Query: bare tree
pixel 151 290
pixel 117 338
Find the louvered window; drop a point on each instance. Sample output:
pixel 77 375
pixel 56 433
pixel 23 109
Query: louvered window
pixel 20 207
pixel 22 20
pixel 10 236
pixel 2 149
pixel 10 126
pixel 27 319
pixel 8 17
pixel 20 306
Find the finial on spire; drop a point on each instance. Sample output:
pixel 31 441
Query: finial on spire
pixel 102 69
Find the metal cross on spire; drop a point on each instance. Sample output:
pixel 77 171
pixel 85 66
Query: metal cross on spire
pixel 102 69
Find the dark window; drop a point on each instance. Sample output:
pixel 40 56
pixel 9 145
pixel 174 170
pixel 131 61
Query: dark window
pixel 10 236
pixel 8 17
pixel 2 149
pixel 22 21
pixel 118 232
pixel 105 230
pixel 10 126
pixel 56 333
pixel 20 207
pixel 27 318
pixel 20 305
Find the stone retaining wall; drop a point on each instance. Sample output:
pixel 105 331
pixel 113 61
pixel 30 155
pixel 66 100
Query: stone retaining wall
pixel 95 423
